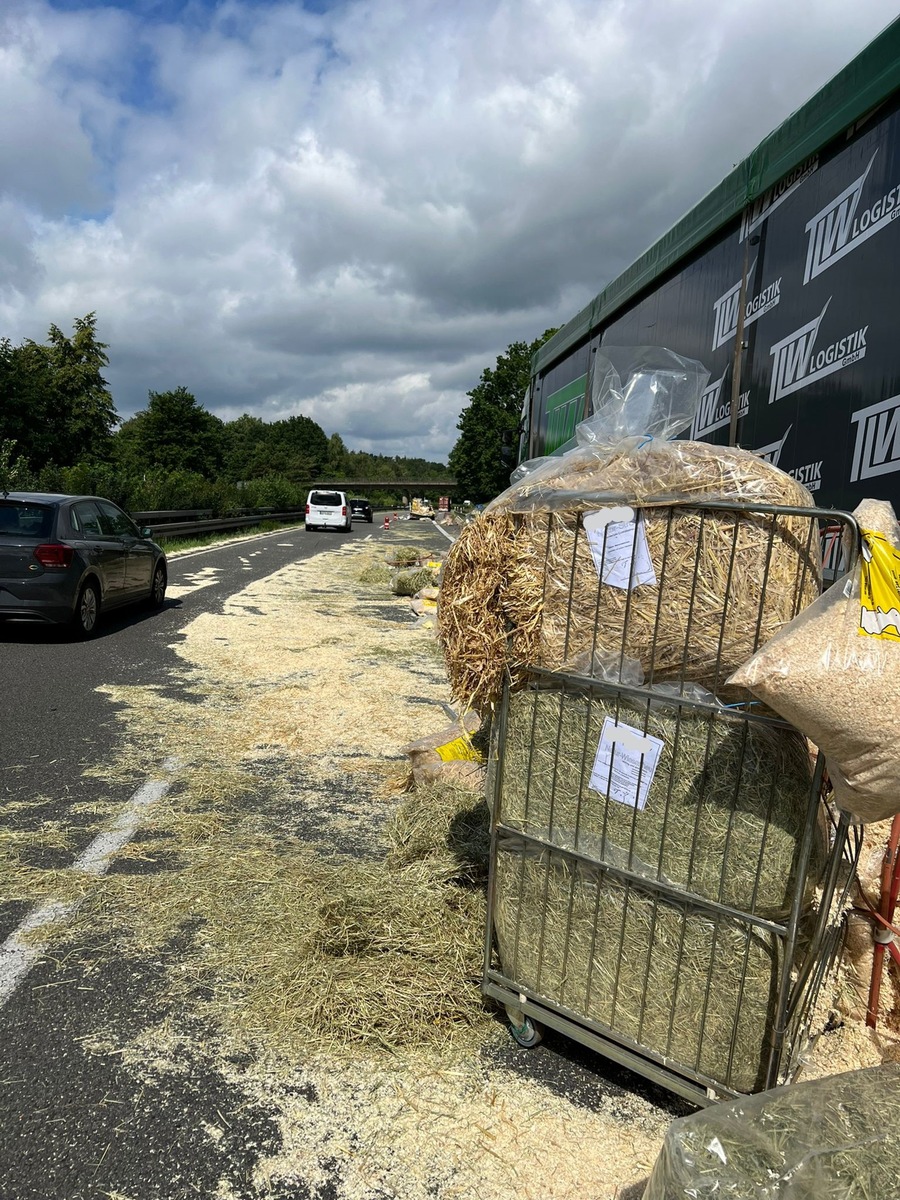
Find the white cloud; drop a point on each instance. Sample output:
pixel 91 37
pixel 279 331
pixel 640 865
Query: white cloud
pixel 351 213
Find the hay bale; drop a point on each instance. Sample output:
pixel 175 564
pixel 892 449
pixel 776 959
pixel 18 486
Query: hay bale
pixel 520 585
pixel 699 991
pixel 724 815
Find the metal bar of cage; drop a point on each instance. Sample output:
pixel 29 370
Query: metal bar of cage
pixel 797 981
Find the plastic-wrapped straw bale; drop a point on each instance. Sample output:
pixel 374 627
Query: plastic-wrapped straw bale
pixel 601 550
pixel 719 807
pixel 824 1139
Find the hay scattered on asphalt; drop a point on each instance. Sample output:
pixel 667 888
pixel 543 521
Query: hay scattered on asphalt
pixel 520 585
pixel 695 990
pixel 725 811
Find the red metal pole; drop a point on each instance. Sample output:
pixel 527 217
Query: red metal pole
pixel 884 937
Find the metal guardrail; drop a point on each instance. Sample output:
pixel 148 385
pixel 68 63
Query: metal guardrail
pixel 178 522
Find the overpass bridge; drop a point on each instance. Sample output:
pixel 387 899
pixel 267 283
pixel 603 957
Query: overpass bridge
pixel 362 485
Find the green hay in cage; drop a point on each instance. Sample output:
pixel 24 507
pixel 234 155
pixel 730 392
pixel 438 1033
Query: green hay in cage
pixel 696 990
pixel 724 815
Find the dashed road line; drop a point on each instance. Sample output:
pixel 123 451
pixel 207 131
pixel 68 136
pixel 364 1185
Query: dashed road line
pixel 22 948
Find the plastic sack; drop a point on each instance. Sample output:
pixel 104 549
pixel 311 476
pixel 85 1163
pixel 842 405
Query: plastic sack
pixel 827 1139
pixel 834 672
pixel 645 390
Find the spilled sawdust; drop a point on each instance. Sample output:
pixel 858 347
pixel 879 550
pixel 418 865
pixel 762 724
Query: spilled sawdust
pixel 360 1025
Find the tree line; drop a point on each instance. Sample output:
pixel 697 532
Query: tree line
pixel 60 431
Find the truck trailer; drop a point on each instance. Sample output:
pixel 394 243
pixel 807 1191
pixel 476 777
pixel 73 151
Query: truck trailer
pixel 784 281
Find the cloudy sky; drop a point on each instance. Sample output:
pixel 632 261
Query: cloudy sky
pixel 347 209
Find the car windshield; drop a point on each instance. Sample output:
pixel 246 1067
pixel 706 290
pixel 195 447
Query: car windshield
pixel 20 518
pixel 326 499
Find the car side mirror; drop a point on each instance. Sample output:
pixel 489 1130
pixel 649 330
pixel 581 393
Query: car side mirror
pixel 147 532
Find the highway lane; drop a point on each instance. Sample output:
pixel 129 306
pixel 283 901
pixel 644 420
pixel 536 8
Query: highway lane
pixel 73 1125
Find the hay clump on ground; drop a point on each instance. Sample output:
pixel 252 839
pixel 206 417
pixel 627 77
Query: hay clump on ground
pixel 376 573
pixel 725 582
pixel 445 827
pixel 408 582
pixel 725 812
pixel 696 990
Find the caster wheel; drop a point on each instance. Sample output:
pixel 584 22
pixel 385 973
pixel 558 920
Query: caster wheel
pixel 529 1033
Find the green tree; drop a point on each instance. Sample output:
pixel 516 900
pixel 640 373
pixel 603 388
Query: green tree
pixel 337 461
pixel 14 473
pixel 54 400
pixel 82 395
pixel 175 433
pixel 489 423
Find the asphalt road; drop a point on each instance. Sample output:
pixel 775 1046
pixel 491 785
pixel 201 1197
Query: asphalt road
pixel 75 1126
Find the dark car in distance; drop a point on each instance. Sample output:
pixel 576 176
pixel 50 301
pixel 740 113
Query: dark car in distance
pixel 66 559
pixel 361 510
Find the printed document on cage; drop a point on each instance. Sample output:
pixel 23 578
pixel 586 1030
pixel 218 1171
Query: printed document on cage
pixel 625 763
pixel 618 542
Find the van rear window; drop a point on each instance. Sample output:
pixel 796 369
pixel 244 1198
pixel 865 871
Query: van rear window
pixel 326 499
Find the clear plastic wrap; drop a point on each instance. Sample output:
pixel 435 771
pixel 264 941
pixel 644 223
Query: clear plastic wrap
pixel 839 684
pixel 645 390
pixel 826 1139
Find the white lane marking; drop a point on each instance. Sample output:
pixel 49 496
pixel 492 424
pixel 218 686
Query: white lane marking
pixel 22 949
pixel 448 536
pixel 19 952
pixel 194 581
pixel 95 858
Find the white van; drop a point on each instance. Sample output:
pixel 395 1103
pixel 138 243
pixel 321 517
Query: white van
pixel 327 510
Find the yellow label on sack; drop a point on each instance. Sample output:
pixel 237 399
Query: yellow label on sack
pixel 460 749
pixel 879 588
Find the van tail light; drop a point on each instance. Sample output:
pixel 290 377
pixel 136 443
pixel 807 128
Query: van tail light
pixel 54 554
pixel 344 511
pixel 307 510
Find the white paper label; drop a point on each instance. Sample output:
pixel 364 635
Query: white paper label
pixel 625 763
pixel 618 543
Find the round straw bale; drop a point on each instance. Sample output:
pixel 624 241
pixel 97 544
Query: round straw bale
pixel 725 811
pixel 521 587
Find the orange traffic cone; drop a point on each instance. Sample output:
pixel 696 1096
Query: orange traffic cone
pixel 387 522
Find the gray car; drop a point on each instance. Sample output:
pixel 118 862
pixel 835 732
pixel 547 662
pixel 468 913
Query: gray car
pixel 66 559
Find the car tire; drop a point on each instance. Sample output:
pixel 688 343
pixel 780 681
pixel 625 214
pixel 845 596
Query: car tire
pixel 309 528
pixel 87 611
pixel 369 519
pixel 157 597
